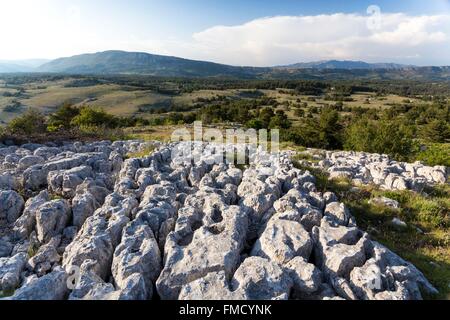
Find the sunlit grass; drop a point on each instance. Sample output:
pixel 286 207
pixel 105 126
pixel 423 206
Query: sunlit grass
pixel 141 154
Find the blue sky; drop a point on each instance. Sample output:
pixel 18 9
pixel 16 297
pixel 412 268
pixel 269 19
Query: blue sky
pixel 240 32
pixel 177 18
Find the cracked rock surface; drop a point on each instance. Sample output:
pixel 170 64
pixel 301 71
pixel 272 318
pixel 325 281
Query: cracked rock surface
pixel 85 221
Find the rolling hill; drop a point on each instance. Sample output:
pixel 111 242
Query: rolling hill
pixel 345 64
pixel 8 66
pixel 121 62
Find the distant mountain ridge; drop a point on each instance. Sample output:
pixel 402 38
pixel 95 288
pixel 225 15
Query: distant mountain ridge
pixel 140 63
pixel 115 61
pixel 345 64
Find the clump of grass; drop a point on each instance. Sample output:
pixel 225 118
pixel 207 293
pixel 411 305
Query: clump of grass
pixel 320 175
pixel 431 209
pixel 32 250
pixel 149 137
pixel 141 154
pixel 289 145
pixel 54 197
pixel 304 156
pixel 6 293
pixel 158 133
pixel 323 183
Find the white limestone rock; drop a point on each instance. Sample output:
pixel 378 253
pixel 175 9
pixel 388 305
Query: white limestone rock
pixel 10 271
pixel 283 240
pixel 52 286
pixel 51 219
pixel 11 206
pixel 200 246
pixel 26 223
pixel 306 277
pixel 137 255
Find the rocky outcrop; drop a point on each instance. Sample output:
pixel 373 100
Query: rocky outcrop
pixel 26 223
pixel 5 248
pixel 207 239
pixel 137 259
pixel 380 170
pixel 46 257
pixel 51 219
pixel 10 271
pixel 282 241
pixel 11 206
pixel 52 286
pixel 256 279
pixel 85 222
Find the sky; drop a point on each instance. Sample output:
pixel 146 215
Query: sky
pixel 237 32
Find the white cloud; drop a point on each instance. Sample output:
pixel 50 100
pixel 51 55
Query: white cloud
pixel 289 39
pixel 53 29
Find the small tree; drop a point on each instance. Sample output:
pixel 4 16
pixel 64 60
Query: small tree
pixel 436 131
pixel 279 121
pixel 327 129
pixel 256 124
pixel 266 115
pixel 63 117
pixel 299 113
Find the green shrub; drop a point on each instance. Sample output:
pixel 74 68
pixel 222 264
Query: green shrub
pixel 256 124
pixel 390 137
pixel 62 118
pixel 279 121
pixel 436 131
pixel 324 133
pixel 435 154
pixel 142 153
pixel 94 117
pixel 30 122
pixel 431 211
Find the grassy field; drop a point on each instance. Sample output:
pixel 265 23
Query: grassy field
pixel 115 99
pixel 289 103
pixel 123 100
pixel 160 133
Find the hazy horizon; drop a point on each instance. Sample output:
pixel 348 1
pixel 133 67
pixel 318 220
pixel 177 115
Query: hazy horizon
pixel 41 61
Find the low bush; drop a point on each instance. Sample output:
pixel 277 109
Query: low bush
pixel 384 137
pixel 435 154
pixel 31 122
pixel 94 117
pixel 62 118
